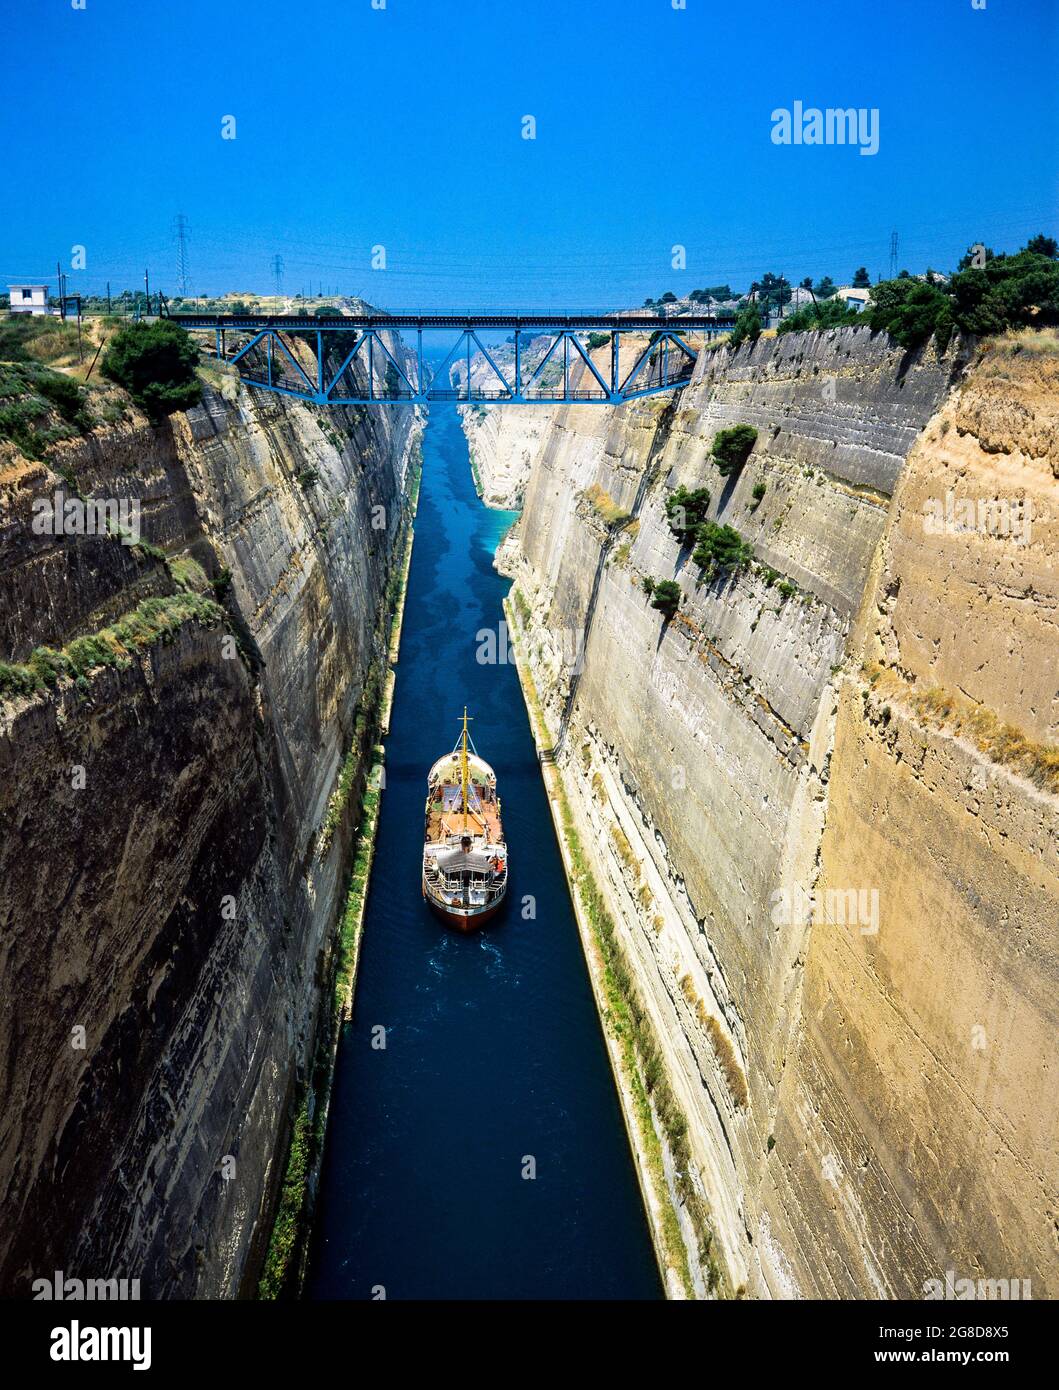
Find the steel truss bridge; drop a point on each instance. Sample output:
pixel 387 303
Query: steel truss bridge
pixel 547 360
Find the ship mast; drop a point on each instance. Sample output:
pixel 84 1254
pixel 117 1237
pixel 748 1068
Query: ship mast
pixel 463 769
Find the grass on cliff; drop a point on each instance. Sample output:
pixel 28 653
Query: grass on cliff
pixel 287 1225
pixel 955 714
pixel 37 338
pixel 154 619
pixel 645 1067
pixel 642 1060
pixel 605 507
pixel 733 1073
pixel 357 892
pixel 366 706
pixel 39 407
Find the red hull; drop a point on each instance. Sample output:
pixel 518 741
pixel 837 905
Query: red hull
pixel 461 922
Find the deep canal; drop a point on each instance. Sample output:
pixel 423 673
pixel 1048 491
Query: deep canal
pixel 493 1047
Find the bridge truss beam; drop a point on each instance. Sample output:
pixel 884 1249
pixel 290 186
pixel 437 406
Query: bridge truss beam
pixel 549 363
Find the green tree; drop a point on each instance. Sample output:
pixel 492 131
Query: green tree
pixel 1043 246
pixel 666 596
pixel 825 288
pixel 716 292
pixel 861 278
pixel 731 448
pixel 908 310
pixel 975 255
pixel 685 511
pixel 156 363
pixel 774 291
pixel 747 327
pixel 720 548
pixel 1011 292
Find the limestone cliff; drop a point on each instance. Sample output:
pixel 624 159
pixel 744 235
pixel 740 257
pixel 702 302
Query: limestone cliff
pixel 503 444
pixel 167 906
pixel 827 840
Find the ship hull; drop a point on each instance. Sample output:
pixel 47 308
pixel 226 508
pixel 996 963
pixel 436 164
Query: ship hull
pixel 464 919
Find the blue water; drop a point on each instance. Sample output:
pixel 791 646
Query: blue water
pixel 493 1047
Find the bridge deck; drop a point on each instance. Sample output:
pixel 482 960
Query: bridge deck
pixel 624 323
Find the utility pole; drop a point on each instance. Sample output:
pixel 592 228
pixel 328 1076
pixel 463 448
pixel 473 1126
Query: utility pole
pixel 108 297
pixel 147 292
pixel 893 255
pixel 183 231
pixel 277 274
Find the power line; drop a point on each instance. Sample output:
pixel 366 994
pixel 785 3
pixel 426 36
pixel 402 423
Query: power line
pixel 277 274
pixel 893 255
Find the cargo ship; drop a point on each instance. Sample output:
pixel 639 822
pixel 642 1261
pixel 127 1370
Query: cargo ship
pixel 464 854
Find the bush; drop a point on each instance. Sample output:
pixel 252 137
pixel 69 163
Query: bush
pixel 720 548
pixel 686 510
pixel 65 395
pixel 832 313
pixel 731 448
pixel 155 362
pixel 597 340
pixel 909 310
pixel 666 596
pixel 31 395
pixel 1006 292
pixel 747 327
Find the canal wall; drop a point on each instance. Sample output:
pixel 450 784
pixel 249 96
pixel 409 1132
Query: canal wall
pixel 177 823
pixel 818 803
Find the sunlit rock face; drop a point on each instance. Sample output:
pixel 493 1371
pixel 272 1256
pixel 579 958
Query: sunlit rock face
pixel 802 857
pixel 166 912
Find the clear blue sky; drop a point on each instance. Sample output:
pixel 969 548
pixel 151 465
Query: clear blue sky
pixel 403 127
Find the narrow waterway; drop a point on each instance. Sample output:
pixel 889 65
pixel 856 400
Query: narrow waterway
pixel 493 1062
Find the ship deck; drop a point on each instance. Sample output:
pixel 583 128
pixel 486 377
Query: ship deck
pixel 445 818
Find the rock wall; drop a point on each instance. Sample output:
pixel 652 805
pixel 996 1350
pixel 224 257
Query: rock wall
pixel 503 444
pixel 161 884
pixel 849 1136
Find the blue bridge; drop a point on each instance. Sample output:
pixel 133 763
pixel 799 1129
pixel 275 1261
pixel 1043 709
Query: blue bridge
pixel 546 359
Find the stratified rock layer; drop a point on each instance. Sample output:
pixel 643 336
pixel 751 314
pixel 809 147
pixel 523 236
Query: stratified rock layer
pixel 176 906
pixel 895 1033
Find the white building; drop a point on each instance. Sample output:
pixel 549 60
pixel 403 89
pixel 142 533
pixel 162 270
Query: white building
pixel 853 296
pixel 28 299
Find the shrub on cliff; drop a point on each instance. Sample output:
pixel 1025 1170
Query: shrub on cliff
pixel 686 510
pixel 666 596
pixel 720 548
pixel 832 313
pixel 747 327
pixel 1003 292
pixel 155 362
pixel 910 311
pixel 31 396
pixel 731 448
